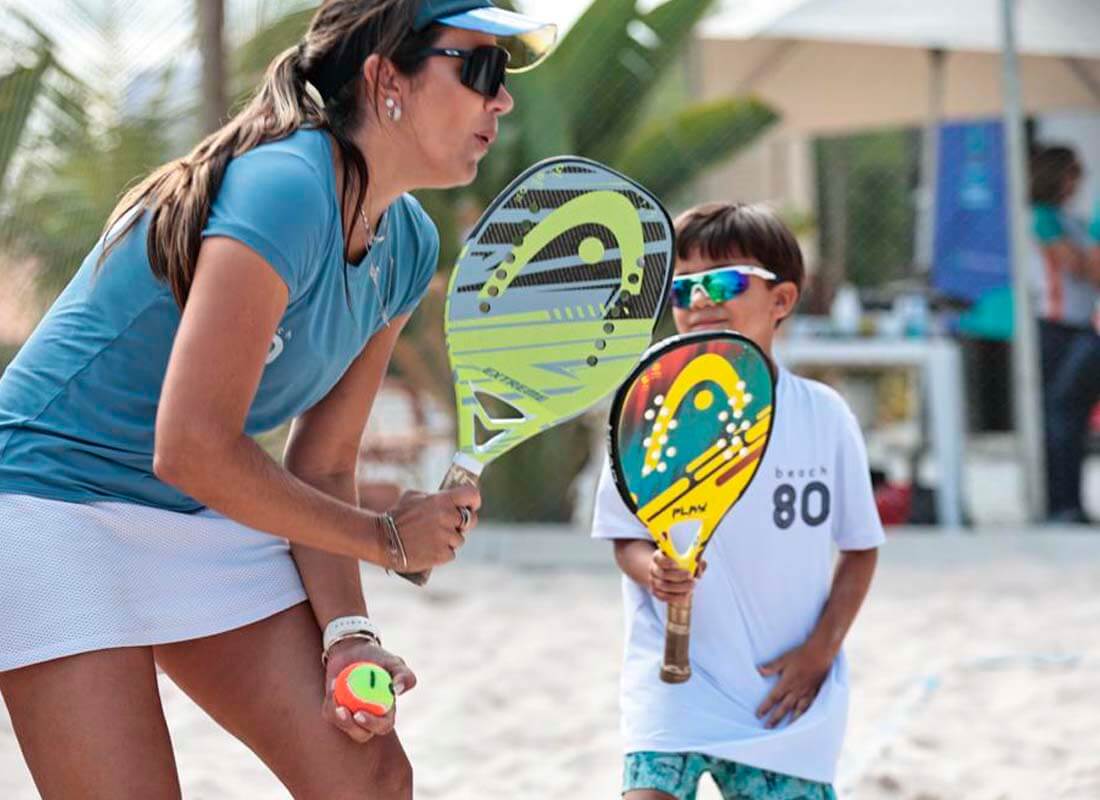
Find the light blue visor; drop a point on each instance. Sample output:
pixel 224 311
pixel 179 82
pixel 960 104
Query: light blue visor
pixel 527 40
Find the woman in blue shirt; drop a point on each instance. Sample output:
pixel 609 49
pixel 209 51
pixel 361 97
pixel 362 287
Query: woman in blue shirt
pixel 261 278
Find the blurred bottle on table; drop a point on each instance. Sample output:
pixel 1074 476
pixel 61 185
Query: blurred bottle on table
pixel 846 311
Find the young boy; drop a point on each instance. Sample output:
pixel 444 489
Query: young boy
pixel 765 709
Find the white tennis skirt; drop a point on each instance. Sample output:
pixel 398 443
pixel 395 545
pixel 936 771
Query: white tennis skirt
pixel 80 577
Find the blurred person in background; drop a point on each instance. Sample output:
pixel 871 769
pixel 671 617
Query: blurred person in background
pixel 1093 253
pixel 1067 283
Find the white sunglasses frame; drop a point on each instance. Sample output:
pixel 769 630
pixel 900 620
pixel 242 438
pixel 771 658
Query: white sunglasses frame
pixel 742 269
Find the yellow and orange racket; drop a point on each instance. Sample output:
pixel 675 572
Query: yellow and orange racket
pixel 688 430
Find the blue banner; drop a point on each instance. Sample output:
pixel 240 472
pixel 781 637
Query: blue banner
pixel 970 250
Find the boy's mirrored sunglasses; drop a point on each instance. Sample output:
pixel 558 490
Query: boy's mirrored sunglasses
pixel 483 68
pixel 720 284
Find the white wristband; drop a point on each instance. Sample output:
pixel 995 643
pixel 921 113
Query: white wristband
pixel 342 626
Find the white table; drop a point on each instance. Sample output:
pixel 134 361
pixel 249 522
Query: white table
pixel 940 363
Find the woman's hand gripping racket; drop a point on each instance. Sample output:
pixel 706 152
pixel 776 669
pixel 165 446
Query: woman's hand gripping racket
pixel 553 300
pixel 688 430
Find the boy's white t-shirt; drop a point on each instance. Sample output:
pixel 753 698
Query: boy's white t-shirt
pixel 769 573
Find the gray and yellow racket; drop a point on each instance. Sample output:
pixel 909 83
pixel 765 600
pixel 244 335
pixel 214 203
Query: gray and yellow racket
pixel 551 304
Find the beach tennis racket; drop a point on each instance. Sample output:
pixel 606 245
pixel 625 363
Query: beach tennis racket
pixel 551 303
pixel 688 430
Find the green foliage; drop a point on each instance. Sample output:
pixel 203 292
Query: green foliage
pixel 18 91
pixel 587 57
pixel 251 58
pixel 63 204
pixel 622 86
pixel 876 204
pixel 534 482
pixel 661 153
pixel 79 154
pixel 595 97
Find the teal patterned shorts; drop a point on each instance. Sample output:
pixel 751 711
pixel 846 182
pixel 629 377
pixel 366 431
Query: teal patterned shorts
pixel 678 774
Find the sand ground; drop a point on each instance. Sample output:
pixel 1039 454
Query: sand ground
pixel 975 669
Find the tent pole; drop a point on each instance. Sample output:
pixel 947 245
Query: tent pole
pixel 929 163
pixel 1025 351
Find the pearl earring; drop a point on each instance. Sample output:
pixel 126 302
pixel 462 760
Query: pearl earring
pixel 394 109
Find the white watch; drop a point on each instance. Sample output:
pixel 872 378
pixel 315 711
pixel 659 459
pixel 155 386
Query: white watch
pixel 341 627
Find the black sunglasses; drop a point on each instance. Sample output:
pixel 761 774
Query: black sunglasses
pixel 483 68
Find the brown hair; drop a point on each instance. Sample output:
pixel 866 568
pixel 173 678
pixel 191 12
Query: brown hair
pixel 178 195
pixel 719 231
pixel 1050 168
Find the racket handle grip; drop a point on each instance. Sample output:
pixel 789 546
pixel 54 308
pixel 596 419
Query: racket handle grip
pixel 677 668
pixel 458 475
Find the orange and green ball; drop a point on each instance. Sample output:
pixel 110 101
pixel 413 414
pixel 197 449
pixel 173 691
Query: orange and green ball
pixel 364 686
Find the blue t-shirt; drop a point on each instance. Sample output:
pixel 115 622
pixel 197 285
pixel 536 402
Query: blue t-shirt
pixel 78 404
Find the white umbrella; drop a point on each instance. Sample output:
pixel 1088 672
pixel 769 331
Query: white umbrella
pixel 836 65
pixel 1054 27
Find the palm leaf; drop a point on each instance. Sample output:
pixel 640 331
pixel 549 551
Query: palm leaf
pixel 19 90
pixel 60 207
pixel 670 153
pixel 259 50
pixel 585 56
pixel 627 82
pixel 539 119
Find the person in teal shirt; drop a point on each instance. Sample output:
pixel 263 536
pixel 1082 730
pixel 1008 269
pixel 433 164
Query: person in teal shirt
pixel 1067 286
pixel 1093 254
pixel 264 277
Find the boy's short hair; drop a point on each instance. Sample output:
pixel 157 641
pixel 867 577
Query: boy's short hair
pixel 720 231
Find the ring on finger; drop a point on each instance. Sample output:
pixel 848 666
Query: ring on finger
pixel 466 517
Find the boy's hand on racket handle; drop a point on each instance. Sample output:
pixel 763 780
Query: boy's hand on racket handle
pixel 432 526
pixel 668 582
pixel 801 672
pixel 363 727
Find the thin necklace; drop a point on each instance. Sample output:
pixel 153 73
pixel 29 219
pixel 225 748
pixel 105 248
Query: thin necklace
pixel 373 270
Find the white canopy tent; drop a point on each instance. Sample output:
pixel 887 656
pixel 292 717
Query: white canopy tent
pixel 830 66
pixel 832 85
pixel 1046 27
